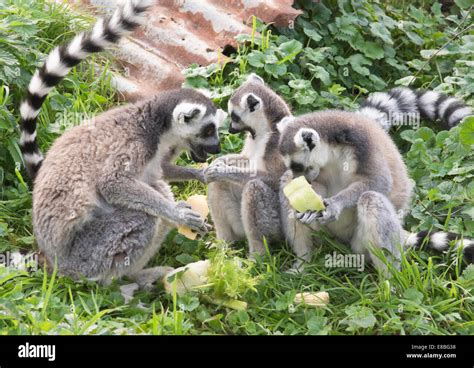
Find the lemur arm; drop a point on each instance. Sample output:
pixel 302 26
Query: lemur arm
pixel 172 172
pixel 236 169
pixel 118 184
pixel 128 192
pixel 349 196
pixel 346 198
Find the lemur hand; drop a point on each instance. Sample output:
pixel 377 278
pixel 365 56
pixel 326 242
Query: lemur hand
pixel 331 213
pixel 186 216
pixel 306 217
pixel 215 171
pixel 200 176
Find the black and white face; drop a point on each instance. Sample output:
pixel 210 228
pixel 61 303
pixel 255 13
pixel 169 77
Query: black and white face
pixel 246 108
pixel 303 151
pixel 196 129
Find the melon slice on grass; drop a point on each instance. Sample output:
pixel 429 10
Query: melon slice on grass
pixel 198 203
pixel 302 197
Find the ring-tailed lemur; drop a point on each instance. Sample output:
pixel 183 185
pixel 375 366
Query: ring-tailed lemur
pixel 101 208
pixel 243 188
pixel 353 163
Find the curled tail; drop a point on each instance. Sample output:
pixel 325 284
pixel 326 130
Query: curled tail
pixel 60 61
pixel 405 106
pixel 440 241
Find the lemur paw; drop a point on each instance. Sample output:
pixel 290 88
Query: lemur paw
pixel 286 178
pixel 215 171
pixel 306 217
pixel 331 213
pixel 186 216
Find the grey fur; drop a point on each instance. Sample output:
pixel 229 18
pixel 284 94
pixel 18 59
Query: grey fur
pixel 244 201
pixel 100 205
pixel 360 173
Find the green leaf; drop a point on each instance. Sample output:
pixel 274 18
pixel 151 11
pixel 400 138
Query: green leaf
pixel 405 81
pixel 357 62
pixel 466 133
pixel 299 84
pixel 313 34
pixel 188 302
pixel 7 58
pixel 413 295
pixel 371 49
pixel 359 317
pixel 184 259
pixel 320 73
pixel 276 70
pixel 314 55
pixel 464 4
pixel 417 40
pixel 256 59
pixel 426 54
pixel 317 325
pixel 292 47
pixel 379 30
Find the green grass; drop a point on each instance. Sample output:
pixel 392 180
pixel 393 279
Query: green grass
pixel 431 293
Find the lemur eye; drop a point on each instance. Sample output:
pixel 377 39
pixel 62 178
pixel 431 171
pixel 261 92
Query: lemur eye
pixel 235 117
pixel 209 130
pixel 296 167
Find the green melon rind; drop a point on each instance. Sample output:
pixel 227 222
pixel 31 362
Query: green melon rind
pixel 302 197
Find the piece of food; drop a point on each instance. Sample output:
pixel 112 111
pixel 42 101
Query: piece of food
pixel 319 299
pixel 229 303
pixel 198 203
pixel 186 278
pixel 302 197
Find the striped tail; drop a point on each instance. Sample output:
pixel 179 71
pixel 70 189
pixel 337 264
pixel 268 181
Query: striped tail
pixel 440 241
pixel 405 106
pixel 61 60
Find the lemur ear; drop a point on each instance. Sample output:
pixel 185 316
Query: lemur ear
pixel 251 102
pixel 187 112
pixel 205 92
pixel 307 138
pixel 254 78
pixel 221 115
pixel 283 123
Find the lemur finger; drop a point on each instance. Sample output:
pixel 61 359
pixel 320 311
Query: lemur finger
pixel 308 217
pixel 312 217
pixel 183 204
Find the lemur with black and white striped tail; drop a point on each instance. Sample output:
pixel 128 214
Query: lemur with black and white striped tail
pixel 101 206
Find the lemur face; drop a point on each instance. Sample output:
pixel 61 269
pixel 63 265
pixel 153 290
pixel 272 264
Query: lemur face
pixel 196 126
pixel 303 151
pixel 253 106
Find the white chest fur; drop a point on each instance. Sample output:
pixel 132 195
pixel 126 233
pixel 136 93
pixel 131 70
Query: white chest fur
pixel 339 171
pixel 254 149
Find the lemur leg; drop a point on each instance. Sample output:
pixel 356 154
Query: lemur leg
pixel 109 244
pixel 298 235
pixel 260 215
pixel 378 226
pixel 225 206
pixel 118 242
pixel 146 277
